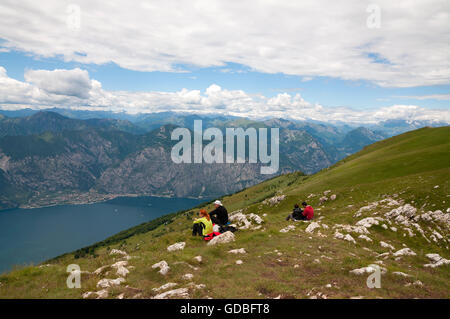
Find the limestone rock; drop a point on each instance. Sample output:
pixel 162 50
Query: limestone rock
pixel 117 252
pixel 237 251
pixel 177 246
pixel 198 258
pixel 404 252
pixel 365 238
pixel 106 283
pixel 187 277
pixel 311 227
pixel 226 237
pixel 386 245
pixel 287 228
pixel 436 260
pixel 165 286
pixel 180 293
pixel 164 267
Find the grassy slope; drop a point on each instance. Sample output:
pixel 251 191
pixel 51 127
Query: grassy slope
pixel 409 165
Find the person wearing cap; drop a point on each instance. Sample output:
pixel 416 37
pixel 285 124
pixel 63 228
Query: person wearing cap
pixel 219 215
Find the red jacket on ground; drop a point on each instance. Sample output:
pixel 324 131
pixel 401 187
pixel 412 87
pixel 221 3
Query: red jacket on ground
pixel 308 212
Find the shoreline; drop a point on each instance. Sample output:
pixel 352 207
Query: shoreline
pixel 101 199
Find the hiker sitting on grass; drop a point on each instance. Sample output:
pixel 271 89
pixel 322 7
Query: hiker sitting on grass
pixel 203 226
pixel 219 216
pixel 298 214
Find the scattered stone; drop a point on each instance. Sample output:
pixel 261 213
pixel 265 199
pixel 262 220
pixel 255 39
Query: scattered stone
pixel 322 200
pixel 338 235
pixel 165 286
pixel 237 251
pixel 436 260
pixel 402 274
pixel 365 238
pixel 121 296
pixel 180 293
pixel 366 270
pixel 100 270
pixel 386 245
pixel 274 200
pixel 437 216
pixel 333 197
pixel 102 294
pixel 87 294
pixel 198 258
pixel 367 208
pixel 243 221
pixel 353 229
pixel 187 276
pixel 106 283
pixel 404 252
pixel 326 192
pixel 121 270
pixel 369 222
pixel 402 214
pixel 226 237
pixel 349 238
pixel 194 286
pixel 287 228
pixel 177 246
pixel 311 227
pixel 163 266
pixel 118 252
pixel 239 262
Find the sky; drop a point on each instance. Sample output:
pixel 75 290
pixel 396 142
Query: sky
pixel 354 61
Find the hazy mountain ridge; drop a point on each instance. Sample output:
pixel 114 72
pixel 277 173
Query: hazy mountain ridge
pixel 50 157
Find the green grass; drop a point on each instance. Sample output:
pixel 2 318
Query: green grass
pixel 409 165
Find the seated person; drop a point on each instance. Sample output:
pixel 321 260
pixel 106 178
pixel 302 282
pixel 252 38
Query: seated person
pixel 203 225
pixel 297 213
pixel 219 215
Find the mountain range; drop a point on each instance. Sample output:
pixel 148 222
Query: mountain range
pixel 47 158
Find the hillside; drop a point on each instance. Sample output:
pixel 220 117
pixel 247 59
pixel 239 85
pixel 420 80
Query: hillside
pixel 391 208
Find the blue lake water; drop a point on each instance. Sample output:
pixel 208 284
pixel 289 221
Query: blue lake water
pixel 30 236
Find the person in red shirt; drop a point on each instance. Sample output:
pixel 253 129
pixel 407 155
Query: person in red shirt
pixel 308 211
pixel 298 214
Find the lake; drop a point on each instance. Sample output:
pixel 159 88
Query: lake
pixel 34 235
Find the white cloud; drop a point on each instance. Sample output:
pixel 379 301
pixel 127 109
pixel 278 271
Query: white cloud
pixel 214 100
pixel 74 82
pixel 440 97
pixel 308 38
